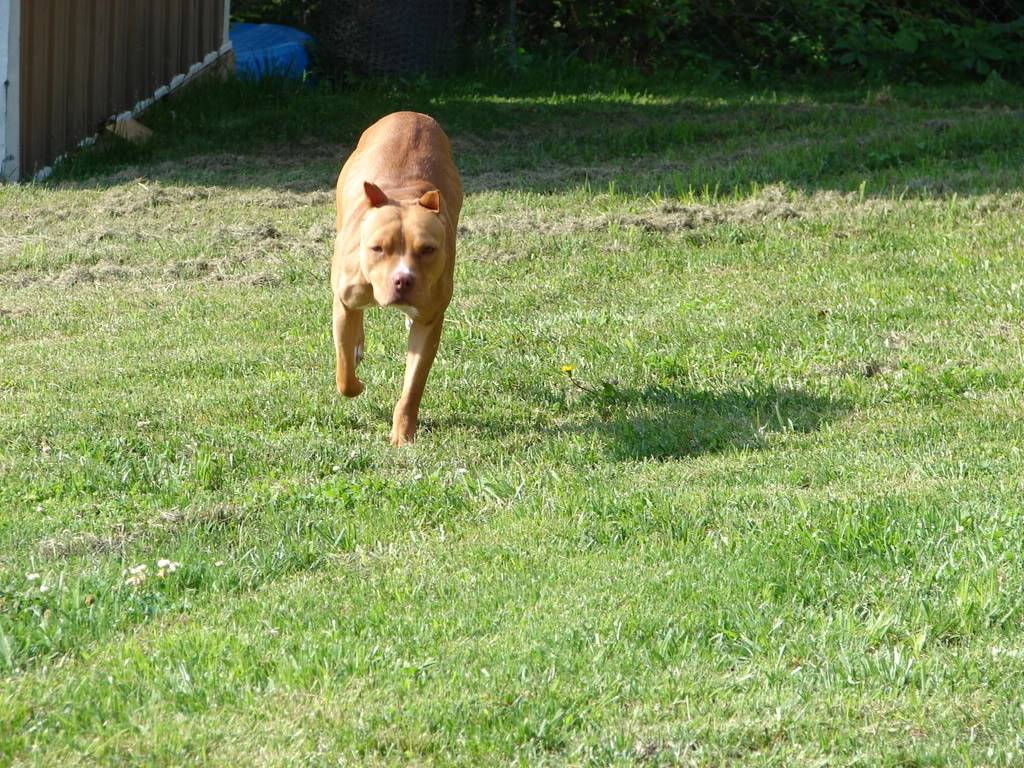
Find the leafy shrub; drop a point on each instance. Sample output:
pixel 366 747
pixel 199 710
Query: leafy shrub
pixel 893 38
pixel 904 38
pixel 294 13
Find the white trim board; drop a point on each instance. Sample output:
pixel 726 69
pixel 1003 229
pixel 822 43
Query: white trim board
pixel 10 88
pixel 227 23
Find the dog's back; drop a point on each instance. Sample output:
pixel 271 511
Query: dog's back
pixel 401 151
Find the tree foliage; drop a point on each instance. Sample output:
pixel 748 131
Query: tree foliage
pixel 907 38
pixel 893 38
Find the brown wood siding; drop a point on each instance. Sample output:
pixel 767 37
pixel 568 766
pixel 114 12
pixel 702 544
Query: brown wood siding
pixel 83 61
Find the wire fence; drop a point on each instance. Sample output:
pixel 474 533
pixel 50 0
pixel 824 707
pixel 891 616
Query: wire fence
pixel 399 37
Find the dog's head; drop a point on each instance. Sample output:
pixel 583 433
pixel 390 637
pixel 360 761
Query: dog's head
pixel 403 248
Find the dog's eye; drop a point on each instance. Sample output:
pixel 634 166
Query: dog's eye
pixel 426 250
pixel 377 248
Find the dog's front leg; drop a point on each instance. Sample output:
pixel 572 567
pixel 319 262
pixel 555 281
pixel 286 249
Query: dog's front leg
pixel 348 345
pixel 423 341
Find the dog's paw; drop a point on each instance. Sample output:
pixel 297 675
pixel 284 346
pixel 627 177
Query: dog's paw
pixel 402 435
pixel 353 388
pixel 398 440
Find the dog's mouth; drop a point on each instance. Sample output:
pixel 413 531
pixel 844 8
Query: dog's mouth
pixel 410 311
pixel 398 300
pixel 387 296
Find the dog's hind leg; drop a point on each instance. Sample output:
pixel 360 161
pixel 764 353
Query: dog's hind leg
pixel 360 345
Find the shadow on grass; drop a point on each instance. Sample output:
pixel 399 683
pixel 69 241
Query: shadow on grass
pixel 657 422
pixel 520 137
pixel 661 423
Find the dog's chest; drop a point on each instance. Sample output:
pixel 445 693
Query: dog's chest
pixel 411 313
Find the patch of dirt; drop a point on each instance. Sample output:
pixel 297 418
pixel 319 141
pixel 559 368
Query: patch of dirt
pixel 128 200
pixel 256 280
pixel 672 217
pixel 549 177
pixel 251 233
pixel 220 515
pixel 85 544
pixel 898 340
pixel 321 232
pixel 98 273
pixel 285 198
pixel 868 369
pixel 117 541
pixel 251 255
pixel 213 270
pixel 106 224
pixel 308 177
pixel 883 97
pixel 188 269
pixel 872 368
pixel 109 235
pixel 74 276
pixel 146 197
pixel 111 272
pixel 939 125
pixel 206 270
pixel 1000 203
pixel 773 204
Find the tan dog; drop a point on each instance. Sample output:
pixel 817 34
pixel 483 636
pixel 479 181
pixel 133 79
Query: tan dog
pixel 399 198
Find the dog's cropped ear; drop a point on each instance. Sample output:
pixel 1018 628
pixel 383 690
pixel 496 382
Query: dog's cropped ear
pixel 374 194
pixel 431 201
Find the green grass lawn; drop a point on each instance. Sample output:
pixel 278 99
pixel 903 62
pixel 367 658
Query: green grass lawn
pixel 773 517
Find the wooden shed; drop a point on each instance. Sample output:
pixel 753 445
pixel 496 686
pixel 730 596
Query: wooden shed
pixel 69 66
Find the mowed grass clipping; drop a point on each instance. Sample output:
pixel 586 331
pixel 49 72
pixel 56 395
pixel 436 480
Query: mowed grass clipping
pixel 770 515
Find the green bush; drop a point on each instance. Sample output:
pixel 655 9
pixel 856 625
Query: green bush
pixel 295 13
pixel 893 38
pixel 877 37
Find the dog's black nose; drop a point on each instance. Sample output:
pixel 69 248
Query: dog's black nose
pixel 403 282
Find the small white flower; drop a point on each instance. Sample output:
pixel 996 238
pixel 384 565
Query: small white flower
pixel 167 566
pixel 335 469
pixel 33 577
pixel 39 507
pixel 44 588
pixel 218 564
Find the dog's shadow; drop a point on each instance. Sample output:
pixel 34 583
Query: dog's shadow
pixel 656 422
pixel 667 422
pixel 663 423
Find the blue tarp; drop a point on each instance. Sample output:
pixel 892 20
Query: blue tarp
pixel 270 50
